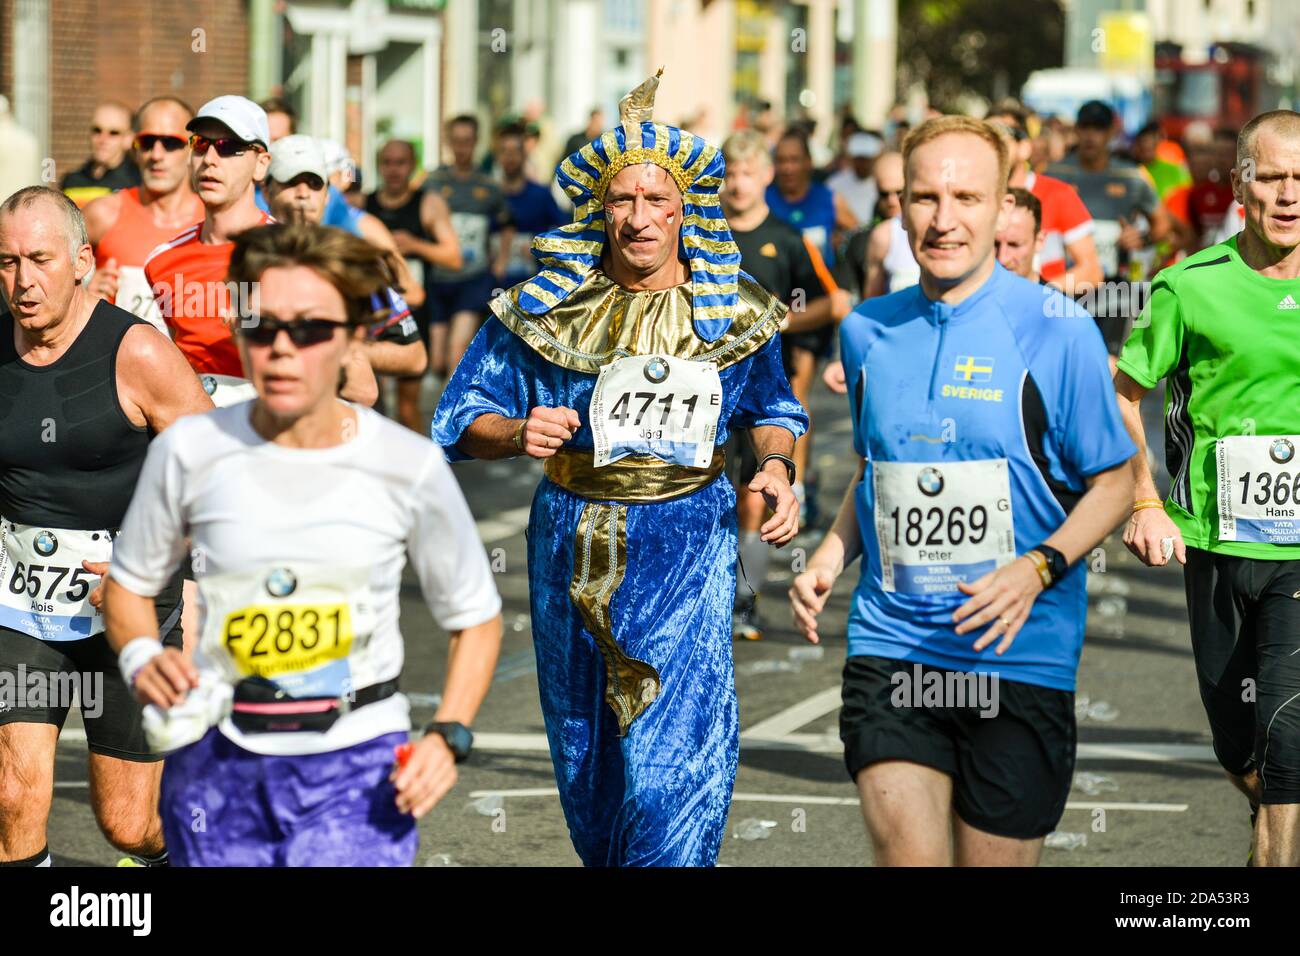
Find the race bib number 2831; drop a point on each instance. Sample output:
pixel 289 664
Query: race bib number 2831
pixel 656 405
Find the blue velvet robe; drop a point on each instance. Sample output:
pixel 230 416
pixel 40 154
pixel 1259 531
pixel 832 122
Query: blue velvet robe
pixel 659 795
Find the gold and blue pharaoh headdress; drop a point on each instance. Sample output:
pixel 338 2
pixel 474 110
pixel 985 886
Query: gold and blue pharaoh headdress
pixel 569 253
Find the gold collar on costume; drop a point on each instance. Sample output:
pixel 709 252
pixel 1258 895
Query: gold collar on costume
pixel 601 321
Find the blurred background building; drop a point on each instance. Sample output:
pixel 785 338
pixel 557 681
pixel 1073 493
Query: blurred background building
pixel 362 71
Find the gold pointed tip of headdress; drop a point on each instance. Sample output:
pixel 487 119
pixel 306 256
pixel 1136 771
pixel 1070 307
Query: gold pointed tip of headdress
pixel 638 106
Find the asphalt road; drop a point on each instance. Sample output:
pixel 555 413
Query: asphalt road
pixel 1160 799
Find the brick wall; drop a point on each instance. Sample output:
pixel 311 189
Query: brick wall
pixel 131 50
pixel 6 49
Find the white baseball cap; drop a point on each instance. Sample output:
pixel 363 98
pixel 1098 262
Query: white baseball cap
pixel 238 114
pixel 292 156
pixel 864 145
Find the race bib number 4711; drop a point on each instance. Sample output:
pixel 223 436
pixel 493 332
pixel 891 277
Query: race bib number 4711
pixel 656 405
pixel 940 523
pixel 1259 488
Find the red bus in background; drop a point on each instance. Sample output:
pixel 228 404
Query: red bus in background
pixel 1226 90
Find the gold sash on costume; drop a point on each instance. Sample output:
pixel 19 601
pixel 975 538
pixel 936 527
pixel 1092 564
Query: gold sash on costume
pixel 600 554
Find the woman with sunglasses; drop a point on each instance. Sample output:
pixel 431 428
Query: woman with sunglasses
pixel 124 227
pixel 287 729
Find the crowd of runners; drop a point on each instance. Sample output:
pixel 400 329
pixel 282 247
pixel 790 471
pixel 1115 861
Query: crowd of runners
pixel 234 386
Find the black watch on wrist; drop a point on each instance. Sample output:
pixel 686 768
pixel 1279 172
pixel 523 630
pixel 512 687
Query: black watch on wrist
pixel 458 737
pixel 1057 566
pixel 788 462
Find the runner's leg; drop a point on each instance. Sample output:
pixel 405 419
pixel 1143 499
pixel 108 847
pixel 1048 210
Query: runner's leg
pixel 907 809
pixel 26 787
pixel 124 796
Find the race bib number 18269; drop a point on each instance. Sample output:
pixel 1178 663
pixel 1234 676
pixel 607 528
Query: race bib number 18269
pixel 940 523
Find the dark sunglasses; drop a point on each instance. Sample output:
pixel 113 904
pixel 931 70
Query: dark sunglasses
pixel 226 147
pixel 302 332
pixel 145 142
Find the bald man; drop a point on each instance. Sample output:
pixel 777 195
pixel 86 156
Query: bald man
pixel 1220 327
pixel 124 227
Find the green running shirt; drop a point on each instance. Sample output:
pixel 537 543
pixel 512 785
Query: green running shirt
pixel 1228 341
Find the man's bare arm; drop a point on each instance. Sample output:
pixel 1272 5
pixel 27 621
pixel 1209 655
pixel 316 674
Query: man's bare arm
pixel 156 382
pixel 395 358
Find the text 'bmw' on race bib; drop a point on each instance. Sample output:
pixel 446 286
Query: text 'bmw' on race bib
pixel 940 523
pixel 44 590
pixel 1259 488
pixel 656 405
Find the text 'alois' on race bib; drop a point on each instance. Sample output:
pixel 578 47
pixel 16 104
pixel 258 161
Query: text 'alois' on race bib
pixel 940 523
pixel 1259 488
pixel 656 405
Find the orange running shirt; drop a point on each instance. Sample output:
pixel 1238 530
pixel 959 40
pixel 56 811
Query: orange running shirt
pixel 135 234
pixel 188 279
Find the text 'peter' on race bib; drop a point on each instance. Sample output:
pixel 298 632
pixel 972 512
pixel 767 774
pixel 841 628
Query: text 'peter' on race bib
pixel 135 295
pixel 1259 488
pixel 656 405
pixel 941 523
pixel 295 626
pixel 44 590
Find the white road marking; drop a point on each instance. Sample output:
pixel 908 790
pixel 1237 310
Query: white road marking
pixel 821 800
pixel 505 524
pixel 1150 753
pixel 526 792
pixel 792 718
pixel 1148 807
pixel 830 744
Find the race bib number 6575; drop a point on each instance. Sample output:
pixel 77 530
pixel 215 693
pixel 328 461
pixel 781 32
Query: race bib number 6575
pixel 940 523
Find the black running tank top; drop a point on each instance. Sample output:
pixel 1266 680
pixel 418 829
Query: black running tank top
pixel 69 457
pixel 405 216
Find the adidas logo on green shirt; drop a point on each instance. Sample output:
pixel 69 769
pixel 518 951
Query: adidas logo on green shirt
pixel 1288 303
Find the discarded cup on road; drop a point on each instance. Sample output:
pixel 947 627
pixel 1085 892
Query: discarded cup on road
pixel 1112 607
pixel 488 805
pixel 1056 840
pixel 769 667
pixel 1092 784
pixel 752 829
pixel 1102 711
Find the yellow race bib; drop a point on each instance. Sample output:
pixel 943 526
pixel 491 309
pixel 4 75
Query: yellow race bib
pixel 272 640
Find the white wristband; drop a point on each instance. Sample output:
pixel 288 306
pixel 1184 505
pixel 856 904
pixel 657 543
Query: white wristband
pixel 138 652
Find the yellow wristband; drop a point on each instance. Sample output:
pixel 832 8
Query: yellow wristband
pixel 1150 501
pixel 1040 565
pixel 519 435
pixel 1144 505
